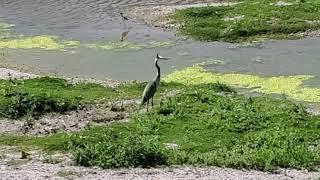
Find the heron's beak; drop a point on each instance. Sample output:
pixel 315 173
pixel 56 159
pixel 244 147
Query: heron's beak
pixel 163 58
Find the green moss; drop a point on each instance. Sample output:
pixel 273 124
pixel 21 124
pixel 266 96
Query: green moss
pixel 289 85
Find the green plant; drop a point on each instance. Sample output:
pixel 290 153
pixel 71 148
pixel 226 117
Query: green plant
pixel 19 103
pixel 209 127
pixel 109 150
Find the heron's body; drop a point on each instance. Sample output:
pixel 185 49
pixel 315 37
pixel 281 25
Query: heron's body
pixel 152 87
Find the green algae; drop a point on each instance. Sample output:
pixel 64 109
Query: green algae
pixel 42 42
pixel 47 42
pixel 292 86
pixel 7 40
pixel 53 43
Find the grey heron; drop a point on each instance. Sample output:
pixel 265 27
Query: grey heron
pixel 152 87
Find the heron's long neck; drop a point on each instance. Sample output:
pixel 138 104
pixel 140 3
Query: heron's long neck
pixel 158 71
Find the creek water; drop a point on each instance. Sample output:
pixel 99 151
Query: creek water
pixel 90 21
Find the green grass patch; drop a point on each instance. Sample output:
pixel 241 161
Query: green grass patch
pixel 249 20
pixel 35 97
pixel 212 126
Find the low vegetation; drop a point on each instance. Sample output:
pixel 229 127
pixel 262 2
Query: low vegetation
pixel 34 97
pixel 250 20
pixel 209 124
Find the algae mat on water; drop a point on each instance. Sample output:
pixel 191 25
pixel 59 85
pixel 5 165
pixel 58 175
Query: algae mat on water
pixel 292 86
pixel 53 43
pixel 43 42
pixel 47 42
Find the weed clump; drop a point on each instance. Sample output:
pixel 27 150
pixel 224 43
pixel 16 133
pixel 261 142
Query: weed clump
pixel 20 103
pixel 17 101
pixel 108 149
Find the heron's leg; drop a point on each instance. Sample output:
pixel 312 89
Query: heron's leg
pixel 152 102
pixel 147 105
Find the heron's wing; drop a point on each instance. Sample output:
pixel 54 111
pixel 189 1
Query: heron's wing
pixel 149 91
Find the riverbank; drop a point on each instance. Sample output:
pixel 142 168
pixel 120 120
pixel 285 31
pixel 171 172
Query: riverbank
pixel 85 120
pixel 236 21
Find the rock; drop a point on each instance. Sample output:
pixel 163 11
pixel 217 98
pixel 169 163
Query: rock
pixel 171 145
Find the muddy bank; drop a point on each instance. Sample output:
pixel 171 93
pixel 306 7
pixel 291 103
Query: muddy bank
pixel 14 72
pixel 93 115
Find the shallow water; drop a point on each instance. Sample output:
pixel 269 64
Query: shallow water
pixel 98 20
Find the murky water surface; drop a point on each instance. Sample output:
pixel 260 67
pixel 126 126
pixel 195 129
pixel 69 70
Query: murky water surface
pixel 90 21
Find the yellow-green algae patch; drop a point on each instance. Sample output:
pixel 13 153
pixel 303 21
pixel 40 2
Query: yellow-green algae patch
pixel 292 86
pixel 43 42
